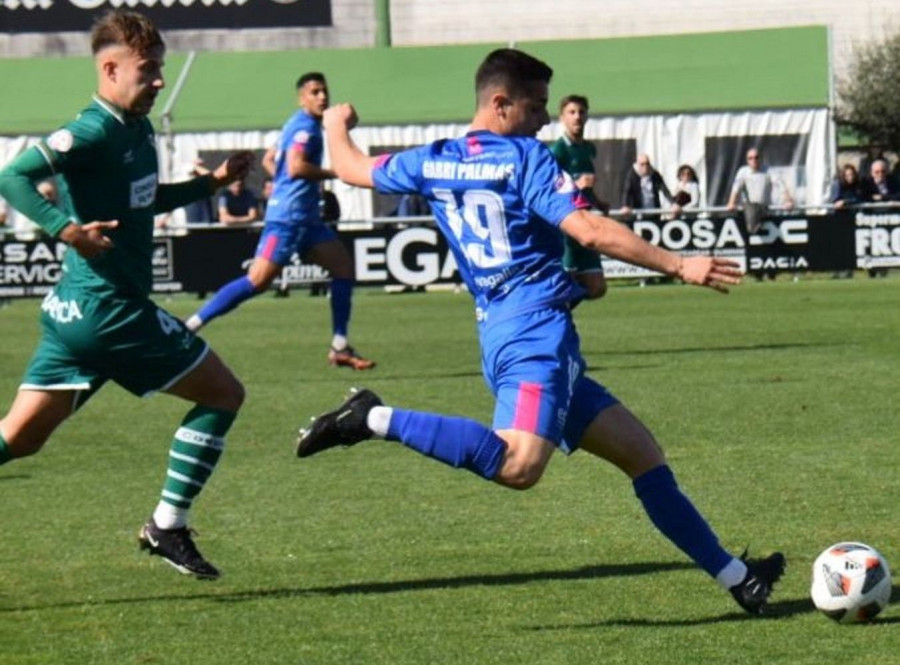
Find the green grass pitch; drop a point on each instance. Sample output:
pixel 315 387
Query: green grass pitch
pixel 777 407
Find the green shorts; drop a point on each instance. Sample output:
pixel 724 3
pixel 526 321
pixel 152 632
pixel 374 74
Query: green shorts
pixel 579 259
pixel 87 340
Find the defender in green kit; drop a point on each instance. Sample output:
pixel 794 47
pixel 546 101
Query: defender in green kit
pixel 576 156
pixel 98 323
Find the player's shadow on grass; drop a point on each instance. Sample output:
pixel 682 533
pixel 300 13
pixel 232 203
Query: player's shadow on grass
pixel 710 349
pixel 376 382
pixel 426 584
pixel 779 609
pixel 15 476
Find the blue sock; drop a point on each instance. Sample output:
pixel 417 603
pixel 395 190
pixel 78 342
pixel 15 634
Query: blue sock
pixel 341 294
pixel 459 442
pixel 5 454
pixel 677 518
pixel 227 298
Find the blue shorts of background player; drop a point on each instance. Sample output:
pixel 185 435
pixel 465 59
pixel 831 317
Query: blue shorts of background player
pixel 279 241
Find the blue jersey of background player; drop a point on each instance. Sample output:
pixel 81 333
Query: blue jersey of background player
pixel 294 225
pixel 295 201
pixel 499 199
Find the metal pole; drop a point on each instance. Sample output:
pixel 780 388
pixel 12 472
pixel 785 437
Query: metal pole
pixel 166 116
pixel 383 23
pixel 831 155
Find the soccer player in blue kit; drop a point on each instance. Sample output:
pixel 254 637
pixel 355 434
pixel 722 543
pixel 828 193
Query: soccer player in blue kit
pixel 294 224
pixel 501 200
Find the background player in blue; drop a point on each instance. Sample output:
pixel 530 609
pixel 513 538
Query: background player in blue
pixel 501 199
pixel 293 224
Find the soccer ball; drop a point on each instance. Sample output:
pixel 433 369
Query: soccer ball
pixel 851 582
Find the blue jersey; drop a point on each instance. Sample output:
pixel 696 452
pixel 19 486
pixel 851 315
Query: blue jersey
pixel 499 201
pixel 296 200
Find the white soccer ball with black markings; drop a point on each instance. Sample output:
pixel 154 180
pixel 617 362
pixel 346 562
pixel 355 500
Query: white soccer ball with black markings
pixel 851 582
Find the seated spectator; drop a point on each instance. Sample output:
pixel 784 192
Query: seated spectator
pixel 4 212
pixel 846 189
pixel 413 205
pixel 644 187
pixel 238 204
pixel 878 187
pixel 264 197
pixel 200 211
pixel 26 229
pixel 329 207
pixel 690 185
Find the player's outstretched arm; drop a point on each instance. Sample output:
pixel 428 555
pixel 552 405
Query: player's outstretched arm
pixel 608 236
pixel 350 163
pixel 177 194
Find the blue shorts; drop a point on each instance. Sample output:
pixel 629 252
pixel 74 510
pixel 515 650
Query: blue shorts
pixel 279 240
pixel 533 365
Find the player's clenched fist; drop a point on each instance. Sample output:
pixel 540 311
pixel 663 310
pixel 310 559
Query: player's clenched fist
pixel 340 114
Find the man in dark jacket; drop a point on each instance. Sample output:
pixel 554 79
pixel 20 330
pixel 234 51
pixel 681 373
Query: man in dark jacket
pixel 643 188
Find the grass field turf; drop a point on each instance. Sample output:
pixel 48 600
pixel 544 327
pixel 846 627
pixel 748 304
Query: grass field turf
pixel 776 406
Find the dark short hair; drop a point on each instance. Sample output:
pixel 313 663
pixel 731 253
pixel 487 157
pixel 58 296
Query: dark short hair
pixel 311 76
pixel 581 100
pixel 122 27
pixel 512 70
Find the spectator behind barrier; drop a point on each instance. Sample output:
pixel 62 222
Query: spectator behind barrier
pixel 689 186
pixel 264 196
pixel 238 204
pixel 752 188
pixel 643 188
pixel 26 229
pixel 878 187
pixel 200 211
pixel 847 188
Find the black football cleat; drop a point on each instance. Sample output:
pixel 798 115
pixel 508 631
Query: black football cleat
pixel 176 547
pixel 344 426
pixel 754 590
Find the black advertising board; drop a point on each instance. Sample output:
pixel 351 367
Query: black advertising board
pixel 201 261
pixel 18 16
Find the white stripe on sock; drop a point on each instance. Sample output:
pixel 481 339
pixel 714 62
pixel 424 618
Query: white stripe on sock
pixel 183 478
pixel 190 460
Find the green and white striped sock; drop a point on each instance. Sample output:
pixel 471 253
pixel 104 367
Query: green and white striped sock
pixel 195 451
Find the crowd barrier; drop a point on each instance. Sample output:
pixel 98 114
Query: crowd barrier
pixel 411 252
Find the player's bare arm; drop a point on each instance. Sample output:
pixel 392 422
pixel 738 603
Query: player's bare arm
pixel 350 163
pixel 608 236
pixel 299 167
